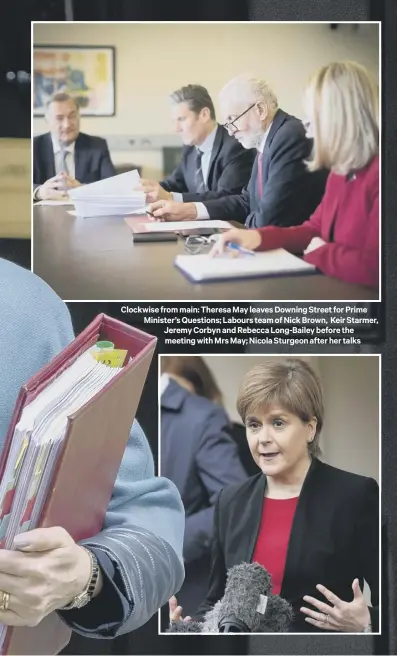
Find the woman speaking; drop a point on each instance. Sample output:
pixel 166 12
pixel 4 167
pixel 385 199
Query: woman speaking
pixel 315 528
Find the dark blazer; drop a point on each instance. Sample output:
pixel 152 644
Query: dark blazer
pixel 91 159
pixel 334 538
pixel 229 171
pixel 290 192
pixel 198 456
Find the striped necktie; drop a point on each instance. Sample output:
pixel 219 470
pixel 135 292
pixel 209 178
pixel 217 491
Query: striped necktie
pixel 200 184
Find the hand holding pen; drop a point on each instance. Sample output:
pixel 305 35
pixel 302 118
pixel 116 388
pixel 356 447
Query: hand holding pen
pixel 237 241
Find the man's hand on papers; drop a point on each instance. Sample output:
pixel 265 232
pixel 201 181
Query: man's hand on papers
pixel 45 573
pixel 249 239
pixel 153 190
pixel 167 210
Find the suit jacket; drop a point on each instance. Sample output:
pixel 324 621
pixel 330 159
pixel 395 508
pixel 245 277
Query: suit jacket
pixel 91 159
pixel 290 192
pixel 229 171
pixel 334 538
pixel 200 458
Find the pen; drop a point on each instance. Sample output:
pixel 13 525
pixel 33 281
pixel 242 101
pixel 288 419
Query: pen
pixel 236 247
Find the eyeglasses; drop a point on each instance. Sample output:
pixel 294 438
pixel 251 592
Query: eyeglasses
pixel 199 244
pixel 231 125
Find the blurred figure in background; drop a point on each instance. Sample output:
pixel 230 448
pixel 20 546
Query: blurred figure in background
pixel 199 456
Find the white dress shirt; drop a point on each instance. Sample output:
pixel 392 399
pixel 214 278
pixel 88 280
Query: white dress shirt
pixel 202 212
pixel 69 159
pixel 206 147
pixel 164 381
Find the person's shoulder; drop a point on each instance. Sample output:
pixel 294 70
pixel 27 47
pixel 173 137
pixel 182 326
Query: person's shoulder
pixel 92 141
pixel 235 149
pixel 239 490
pixel 291 125
pixel 209 410
pixel 23 294
pixel 345 479
pixel 230 143
pixel 39 139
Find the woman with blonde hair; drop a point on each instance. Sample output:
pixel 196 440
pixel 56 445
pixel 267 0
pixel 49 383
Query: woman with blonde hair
pixel 315 528
pixel 341 238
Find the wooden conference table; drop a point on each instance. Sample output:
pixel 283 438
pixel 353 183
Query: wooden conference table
pixel 96 259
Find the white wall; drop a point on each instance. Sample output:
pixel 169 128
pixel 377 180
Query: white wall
pixel 350 437
pixel 351 429
pixel 152 60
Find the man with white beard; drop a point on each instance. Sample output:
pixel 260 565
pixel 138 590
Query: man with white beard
pixel 281 190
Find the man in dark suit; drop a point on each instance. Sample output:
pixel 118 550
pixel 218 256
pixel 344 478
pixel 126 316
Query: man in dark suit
pixel 281 191
pixel 213 164
pixel 64 157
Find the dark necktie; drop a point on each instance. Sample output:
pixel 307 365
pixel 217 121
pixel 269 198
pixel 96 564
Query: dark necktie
pixel 260 180
pixel 200 184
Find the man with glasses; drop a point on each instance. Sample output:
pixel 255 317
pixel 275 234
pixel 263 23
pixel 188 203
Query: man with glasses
pixel 213 164
pixel 281 191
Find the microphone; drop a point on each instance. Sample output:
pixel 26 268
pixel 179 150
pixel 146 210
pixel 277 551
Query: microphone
pixel 248 606
pixel 185 627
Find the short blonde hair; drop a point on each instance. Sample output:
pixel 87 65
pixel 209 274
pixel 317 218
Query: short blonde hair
pixel 292 384
pixel 343 103
pixel 248 89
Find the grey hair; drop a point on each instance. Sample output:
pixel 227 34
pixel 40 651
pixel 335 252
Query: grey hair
pixel 249 89
pixel 61 97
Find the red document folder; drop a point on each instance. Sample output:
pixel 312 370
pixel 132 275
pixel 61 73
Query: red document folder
pixel 95 441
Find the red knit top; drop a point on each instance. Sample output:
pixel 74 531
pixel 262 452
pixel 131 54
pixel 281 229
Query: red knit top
pixel 273 537
pixel 347 219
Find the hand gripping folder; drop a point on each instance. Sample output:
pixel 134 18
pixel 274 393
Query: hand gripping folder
pixel 94 444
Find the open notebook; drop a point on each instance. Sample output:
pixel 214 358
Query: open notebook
pixel 64 447
pixel 203 268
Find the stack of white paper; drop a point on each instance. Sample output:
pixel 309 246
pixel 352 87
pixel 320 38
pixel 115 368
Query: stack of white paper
pixel 114 196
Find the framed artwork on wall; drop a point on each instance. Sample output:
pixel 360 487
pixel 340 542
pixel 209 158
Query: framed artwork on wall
pixel 87 73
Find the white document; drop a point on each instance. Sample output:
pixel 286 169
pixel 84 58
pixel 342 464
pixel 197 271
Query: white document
pixel 114 196
pixel 173 226
pixel 117 185
pixel 201 268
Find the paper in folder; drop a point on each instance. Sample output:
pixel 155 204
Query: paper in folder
pixel 63 450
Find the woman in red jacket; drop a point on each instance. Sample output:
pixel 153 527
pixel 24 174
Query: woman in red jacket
pixel 341 238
